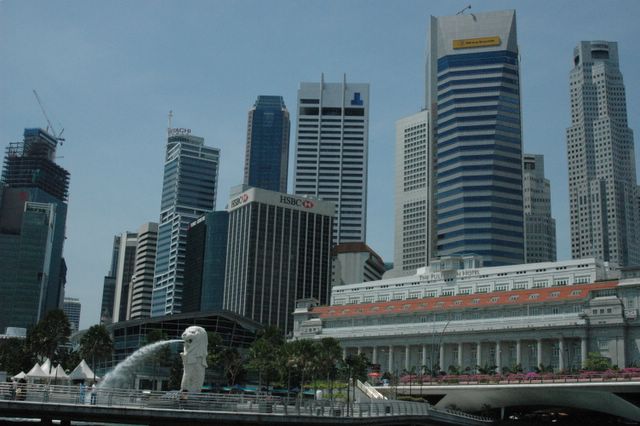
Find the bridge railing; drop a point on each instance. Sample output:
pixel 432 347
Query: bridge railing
pixel 215 402
pixel 522 378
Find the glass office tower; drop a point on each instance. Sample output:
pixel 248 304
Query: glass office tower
pixel 267 153
pixel 189 190
pixel 474 96
pixel 30 175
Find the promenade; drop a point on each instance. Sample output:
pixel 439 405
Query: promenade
pixel 68 403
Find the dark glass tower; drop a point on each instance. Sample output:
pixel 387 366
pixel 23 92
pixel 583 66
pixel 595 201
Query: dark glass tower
pixel 204 265
pixel 30 175
pixel 267 153
pixel 474 96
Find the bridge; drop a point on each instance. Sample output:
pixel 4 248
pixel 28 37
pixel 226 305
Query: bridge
pixel 69 403
pixel 618 396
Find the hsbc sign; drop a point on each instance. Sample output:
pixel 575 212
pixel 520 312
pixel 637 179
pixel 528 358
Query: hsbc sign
pixel 293 201
pixel 239 200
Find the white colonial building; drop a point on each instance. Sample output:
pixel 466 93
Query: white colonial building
pixel 458 314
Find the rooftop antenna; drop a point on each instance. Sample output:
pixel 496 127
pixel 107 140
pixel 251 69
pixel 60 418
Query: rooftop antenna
pixel 170 118
pixel 463 10
pixel 56 135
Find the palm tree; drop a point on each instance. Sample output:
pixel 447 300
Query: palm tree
pixel 328 354
pixel 263 354
pixel 96 343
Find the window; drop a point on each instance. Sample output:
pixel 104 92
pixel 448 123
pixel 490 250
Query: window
pixel 534 296
pixel 554 294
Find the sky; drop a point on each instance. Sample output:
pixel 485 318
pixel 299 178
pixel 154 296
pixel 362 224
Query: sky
pixel 108 72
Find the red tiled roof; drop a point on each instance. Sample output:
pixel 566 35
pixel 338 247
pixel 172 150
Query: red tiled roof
pixel 496 298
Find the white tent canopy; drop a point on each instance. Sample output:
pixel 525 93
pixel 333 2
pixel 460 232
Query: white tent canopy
pixel 58 373
pixel 46 366
pixel 37 373
pixel 82 372
pixel 20 375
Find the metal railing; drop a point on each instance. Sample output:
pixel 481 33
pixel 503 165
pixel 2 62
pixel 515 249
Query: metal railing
pixel 215 402
pixel 369 391
pixel 488 379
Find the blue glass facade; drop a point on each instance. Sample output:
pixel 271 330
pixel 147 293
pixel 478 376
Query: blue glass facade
pixel 267 151
pixel 478 166
pixel 189 190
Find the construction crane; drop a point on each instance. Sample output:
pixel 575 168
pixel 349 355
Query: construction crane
pixel 57 136
pixel 462 11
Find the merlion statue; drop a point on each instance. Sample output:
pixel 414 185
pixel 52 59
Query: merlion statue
pixel 194 358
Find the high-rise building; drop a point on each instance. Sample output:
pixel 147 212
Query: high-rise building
pixel 109 285
pixel 279 250
pixel 331 152
pixel 266 163
pixel 205 263
pixel 71 308
pixel 603 197
pixel 355 263
pixel 25 254
pixel 414 204
pixel 188 191
pixel 30 174
pixel 539 226
pixel 124 272
pixel 474 98
pixel 141 285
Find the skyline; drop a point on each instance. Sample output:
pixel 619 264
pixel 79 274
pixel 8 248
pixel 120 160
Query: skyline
pixel 111 78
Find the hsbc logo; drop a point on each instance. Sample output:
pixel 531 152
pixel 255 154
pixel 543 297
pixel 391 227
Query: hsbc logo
pixel 240 200
pixel 297 202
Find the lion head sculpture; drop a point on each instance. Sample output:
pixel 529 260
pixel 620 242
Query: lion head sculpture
pixel 195 346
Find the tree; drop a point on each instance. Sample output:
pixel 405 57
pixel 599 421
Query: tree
pixel 214 349
pixel 46 337
pixel 328 355
pixel 263 354
pixel 355 366
pixel 14 356
pixel 96 344
pixel 233 364
pixel 597 362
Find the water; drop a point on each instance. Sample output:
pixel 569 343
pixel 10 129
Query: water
pixel 120 377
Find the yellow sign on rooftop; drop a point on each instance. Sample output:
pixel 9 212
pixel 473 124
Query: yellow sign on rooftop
pixel 469 43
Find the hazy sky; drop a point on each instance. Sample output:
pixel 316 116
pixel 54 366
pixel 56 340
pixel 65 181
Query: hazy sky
pixel 109 72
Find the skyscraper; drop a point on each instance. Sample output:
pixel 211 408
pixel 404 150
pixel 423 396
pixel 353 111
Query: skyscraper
pixel 25 254
pixel 188 191
pixel 124 272
pixel 266 163
pixel 474 97
pixel 141 286
pixel 72 308
pixel 414 225
pixel 279 251
pixel 30 174
pixel 205 263
pixel 605 220
pixel 539 226
pixel 109 285
pixel 331 152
